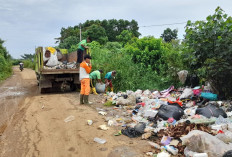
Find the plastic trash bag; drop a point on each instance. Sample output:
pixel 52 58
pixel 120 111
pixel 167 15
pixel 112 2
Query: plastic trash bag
pixel 226 137
pixel 211 111
pixel 137 131
pixel 209 96
pixel 187 93
pixel 100 88
pixel 170 111
pixel 182 75
pixel 202 142
pixel 131 100
pixel 53 61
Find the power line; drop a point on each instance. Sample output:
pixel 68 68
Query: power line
pixel 169 24
pixel 165 24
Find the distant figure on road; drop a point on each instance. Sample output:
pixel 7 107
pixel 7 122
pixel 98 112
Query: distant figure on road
pixel 108 80
pixel 21 66
pixel 82 46
pixel 85 69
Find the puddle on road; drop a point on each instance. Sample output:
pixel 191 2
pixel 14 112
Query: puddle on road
pixel 12 91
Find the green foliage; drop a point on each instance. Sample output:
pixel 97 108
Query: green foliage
pixel 113 46
pixel 5 64
pixel 97 33
pixel 130 76
pixel 69 43
pixel 28 56
pixel 125 37
pixel 211 45
pixel 100 31
pixel 5 68
pixel 29 64
pixel 169 35
pixel 148 52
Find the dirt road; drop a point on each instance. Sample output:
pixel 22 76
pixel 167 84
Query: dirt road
pixel 32 124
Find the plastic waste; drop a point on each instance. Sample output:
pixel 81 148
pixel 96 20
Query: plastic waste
pixel 182 75
pixel 53 61
pixel 103 127
pixel 163 154
pixel 226 137
pixel 110 122
pixel 209 96
pixel 100 88
pixel 199 141
pixel 150 113
pixel 187 93
pixel 166 140
pixel 89 122
pixel 228 154
pixel 102 113
pixel 69 118
pixel 140 127
pixel 100 141
pixel 155 145
pixel 170 149
pixel 200 155
pixel 211 110
pixel 168 111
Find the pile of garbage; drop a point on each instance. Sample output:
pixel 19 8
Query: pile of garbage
pixel 185 121
pixel 57 59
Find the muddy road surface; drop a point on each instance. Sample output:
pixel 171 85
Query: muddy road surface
pixel 32 124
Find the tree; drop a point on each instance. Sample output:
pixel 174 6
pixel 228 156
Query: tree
pixel 168 35
pixel 3 50
pixel 28 56
pixel 97 33
pixel 210 43
pixel 124 37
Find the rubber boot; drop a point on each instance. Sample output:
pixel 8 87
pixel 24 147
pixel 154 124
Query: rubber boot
pixel 94 91
pixel 81 99
pixel 86 99
pixel 112 89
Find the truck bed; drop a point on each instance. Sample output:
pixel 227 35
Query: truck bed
pixel 59 71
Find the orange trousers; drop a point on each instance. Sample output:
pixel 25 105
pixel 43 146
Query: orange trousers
pixel 85 86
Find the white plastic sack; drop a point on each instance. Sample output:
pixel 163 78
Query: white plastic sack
pixel 187 93
pixel 100 88
pixel 226 137
pixel 202 142
pixel 53 61
pixel 147 93
pixel 182 75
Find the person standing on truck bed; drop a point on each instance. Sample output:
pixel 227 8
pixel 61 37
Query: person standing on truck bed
pixel 82 46
pixel 85 69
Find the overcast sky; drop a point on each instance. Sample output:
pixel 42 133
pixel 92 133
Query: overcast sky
pixel 25 24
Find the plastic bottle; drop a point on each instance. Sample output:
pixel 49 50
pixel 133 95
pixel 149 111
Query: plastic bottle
pixel 200 155
pixel 68 119
pixel 171 149
pixel 98 140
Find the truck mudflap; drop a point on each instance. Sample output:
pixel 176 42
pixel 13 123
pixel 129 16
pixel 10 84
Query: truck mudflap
pixel 45 84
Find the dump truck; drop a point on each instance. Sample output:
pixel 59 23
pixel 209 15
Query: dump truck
pixel 60 77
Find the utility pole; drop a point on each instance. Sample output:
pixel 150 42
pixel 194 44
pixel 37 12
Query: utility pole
pixel 80 31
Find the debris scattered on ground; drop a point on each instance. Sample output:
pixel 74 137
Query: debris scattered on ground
pixel 69 118
pixel 166 117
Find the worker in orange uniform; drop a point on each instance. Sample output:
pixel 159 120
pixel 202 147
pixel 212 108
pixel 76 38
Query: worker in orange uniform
pixel 85 69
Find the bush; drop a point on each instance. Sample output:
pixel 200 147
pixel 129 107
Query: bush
pixel 5 68
pixel 130 76
pixel 211 55
pixel 29 64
